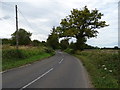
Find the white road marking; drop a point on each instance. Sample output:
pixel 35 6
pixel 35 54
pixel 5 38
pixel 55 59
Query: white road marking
pixel 60 61
pixel 36 79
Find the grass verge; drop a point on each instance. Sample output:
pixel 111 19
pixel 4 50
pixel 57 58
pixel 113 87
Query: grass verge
pixel 8 64
pixel 102 66
pixel 12 58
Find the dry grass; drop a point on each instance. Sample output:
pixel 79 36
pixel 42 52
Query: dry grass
pixel 26 54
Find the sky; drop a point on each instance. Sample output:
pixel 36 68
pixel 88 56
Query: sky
pixel 39 16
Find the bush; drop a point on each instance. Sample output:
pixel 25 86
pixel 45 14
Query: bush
pixel 24 52
pixel 71 51
pixel 12 53
pixel 48 50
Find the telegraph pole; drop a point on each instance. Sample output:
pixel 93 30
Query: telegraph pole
pixel 17 42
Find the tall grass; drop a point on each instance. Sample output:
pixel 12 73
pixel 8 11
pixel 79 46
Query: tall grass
pixel 103 67
pixel 13 58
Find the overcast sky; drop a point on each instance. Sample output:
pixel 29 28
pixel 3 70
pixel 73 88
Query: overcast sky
pixel 39 16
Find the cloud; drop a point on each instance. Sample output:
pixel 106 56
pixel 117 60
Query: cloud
pixel 42 15
pixel 106 38
pixel 6 29
pixel 5 17
pixel 40 37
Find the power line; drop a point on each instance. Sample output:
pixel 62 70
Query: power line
pixel 29 24
pixel 12 6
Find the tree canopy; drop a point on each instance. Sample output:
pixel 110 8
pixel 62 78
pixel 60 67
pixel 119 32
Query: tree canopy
pixel 23 37
pixel 81 24
pixel 53 39
pixel 64 44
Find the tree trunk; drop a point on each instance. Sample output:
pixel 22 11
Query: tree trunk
pixel 80 42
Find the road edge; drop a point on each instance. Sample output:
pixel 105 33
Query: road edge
pixel 89 81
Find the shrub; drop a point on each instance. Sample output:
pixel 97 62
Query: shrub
pixel 48 50
pixel 24 52
pixel 12 53
pixel 71 51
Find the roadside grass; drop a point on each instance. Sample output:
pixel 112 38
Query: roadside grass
pixel 12 58
pixel 102 66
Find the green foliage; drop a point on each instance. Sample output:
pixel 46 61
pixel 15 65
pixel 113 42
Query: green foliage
pixel 12 53
pixel 36 43
pixel 23 37
pixel 12 63
pixel 103 67
pixel 6 41
pixel 64 44
pixel 81 24
pixel 53 40
pixel 44 43
pixel 49 50
pixel 72 45
pixel 24 52
pixel 86 46
pixel 70 51
pixel 14 58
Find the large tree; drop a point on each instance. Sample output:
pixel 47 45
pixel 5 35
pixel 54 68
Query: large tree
pixel 53 39
pixel 81 24
pixel 23 37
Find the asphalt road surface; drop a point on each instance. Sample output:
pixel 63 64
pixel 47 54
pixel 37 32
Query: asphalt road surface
pixel 59 71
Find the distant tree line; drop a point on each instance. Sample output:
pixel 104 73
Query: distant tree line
pixel 115 48
pixel 23 39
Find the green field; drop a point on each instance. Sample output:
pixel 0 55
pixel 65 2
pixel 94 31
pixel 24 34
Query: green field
pixel 102 66
pixel 12 58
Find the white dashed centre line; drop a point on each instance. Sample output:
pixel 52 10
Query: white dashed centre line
pixel 60 61
pixel 37 79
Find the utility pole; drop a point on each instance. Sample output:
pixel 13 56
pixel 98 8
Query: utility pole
pixel 17 42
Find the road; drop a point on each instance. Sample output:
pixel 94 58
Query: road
pixel 59 71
